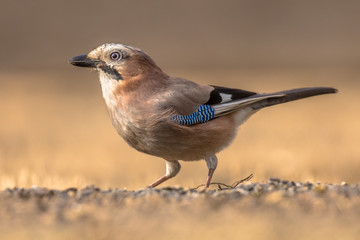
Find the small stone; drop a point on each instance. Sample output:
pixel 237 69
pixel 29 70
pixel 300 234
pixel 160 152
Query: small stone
pixel 273 180
pixel 320 188
pixel 298 184
pixel 343 183
pixel 308 184
pixel 291 184
pixel 284 182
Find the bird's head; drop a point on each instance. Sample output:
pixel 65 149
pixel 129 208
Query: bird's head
pixel 117 62
pixel 122 69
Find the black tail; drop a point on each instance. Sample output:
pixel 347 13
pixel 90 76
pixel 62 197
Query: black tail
pixel 291 95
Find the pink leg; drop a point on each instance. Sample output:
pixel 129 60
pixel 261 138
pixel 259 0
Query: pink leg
pixel 211 162
pixel 159 181
pixel 208 181
pixel 172 168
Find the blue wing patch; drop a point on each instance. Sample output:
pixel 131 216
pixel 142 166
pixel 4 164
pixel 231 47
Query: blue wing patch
pixel 203 114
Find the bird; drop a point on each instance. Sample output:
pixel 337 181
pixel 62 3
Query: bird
pixel 174 118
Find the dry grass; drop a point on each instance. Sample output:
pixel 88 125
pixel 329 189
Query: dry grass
pixel 54 132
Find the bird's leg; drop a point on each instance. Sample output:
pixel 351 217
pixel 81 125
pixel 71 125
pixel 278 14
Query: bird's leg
pixel 211 162
pixel 172 168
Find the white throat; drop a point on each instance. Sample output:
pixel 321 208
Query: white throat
pixel 108 86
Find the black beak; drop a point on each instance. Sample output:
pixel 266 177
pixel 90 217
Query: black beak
pixel 83 61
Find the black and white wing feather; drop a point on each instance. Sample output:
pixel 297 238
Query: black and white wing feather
pixel 223 101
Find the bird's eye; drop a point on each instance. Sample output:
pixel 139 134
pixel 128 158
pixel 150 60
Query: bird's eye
pixel 115 56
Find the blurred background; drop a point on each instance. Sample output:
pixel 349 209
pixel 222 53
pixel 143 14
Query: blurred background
pixel 54 128
pixel 55 131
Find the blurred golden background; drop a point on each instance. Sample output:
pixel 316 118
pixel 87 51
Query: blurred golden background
pixel 55 132
pixel 54 129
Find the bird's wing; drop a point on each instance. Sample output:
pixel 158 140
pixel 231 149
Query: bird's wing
pixel 224 108
pixel 195 103
pixel 226 100
pixel 222 101
pixel 183 96
pixel 220 95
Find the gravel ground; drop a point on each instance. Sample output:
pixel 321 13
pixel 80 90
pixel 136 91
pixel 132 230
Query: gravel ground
pixel 309 196
pixel 52 198
pixel 41 212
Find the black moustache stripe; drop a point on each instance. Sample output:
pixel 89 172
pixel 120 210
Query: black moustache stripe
pixel 111 71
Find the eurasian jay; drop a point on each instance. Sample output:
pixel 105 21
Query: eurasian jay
pixel 174 118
